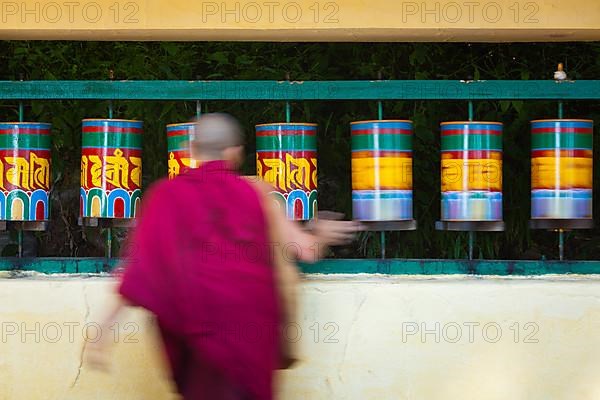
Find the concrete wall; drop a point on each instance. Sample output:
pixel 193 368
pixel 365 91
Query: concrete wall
pixel 362 337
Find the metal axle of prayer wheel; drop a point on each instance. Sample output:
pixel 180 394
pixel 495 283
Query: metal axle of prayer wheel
pixel 471 176
pixel 561 173
pixel 25 176
pixel 286 158
pixel 382 192
pixel 111 173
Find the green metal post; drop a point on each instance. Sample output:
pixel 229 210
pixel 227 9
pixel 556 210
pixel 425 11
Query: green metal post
pixel 471 244
pixel 198 109
pixel 380 116
pixel 20 242
pixel 471 233
pixel 108 242
pixel 288 109
pixel 471 111
pixel 382 234
pixel 20 231
pixel 561 233
pixel 111 77
pixel 560 109
pixel 561 244
pixel 109 229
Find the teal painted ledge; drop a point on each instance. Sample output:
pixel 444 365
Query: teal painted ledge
pixel 338 266
pixel 56 265
pixel 305 90
pixel 445 267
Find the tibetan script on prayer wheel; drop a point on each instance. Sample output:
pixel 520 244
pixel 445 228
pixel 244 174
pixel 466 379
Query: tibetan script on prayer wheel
pixel 111 168
pixel 24 171
pixel 286 158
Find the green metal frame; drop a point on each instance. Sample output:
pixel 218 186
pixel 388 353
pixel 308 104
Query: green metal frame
pixel 336 266
pixel 314 90
pixel 301 90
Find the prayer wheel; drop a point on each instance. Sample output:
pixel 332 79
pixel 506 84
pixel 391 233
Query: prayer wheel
pixel 286 157
pixel 471 171
pixel 24 171
pixel 111 168
pixel 179 139
pixel 561 169
pixel 382 170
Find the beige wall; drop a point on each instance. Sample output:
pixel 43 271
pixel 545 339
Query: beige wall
pixel 341 20
pixel 371 348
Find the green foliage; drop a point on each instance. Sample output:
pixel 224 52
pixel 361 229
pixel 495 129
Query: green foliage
pixel 216 60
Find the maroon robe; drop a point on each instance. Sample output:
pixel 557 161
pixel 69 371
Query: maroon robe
pixel 199 259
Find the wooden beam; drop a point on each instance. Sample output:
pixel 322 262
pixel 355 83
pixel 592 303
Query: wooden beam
pixel 302 20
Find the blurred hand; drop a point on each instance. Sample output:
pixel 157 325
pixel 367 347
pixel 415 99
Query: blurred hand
pixel 97 353
pixel 335 233
pixel 330 231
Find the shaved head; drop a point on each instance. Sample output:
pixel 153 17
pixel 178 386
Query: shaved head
pixel 215 134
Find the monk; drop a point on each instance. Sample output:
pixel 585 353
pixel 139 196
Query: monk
pixel 205 260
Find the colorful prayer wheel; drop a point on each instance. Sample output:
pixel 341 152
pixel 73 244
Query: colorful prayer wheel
pixel 111 168
pixel 179 139
pixel 286 157
pixel 471 171
pixel 382 170
pixel 561 169
pixel 24 171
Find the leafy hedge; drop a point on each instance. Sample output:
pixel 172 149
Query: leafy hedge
pixel 221 60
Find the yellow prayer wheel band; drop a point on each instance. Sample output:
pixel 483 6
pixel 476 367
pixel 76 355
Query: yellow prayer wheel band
pixel 382 173
pixel 471 174
pixel 561 173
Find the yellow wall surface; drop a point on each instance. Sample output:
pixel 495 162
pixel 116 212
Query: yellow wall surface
pixel 361 337
pixel 310 20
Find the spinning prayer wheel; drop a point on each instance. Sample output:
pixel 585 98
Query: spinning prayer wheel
pixel 561 169
pixel 286 157
pixel 382 170
pixel 179 139
pixel 471 171
pixel 24 171
pixel 111 168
